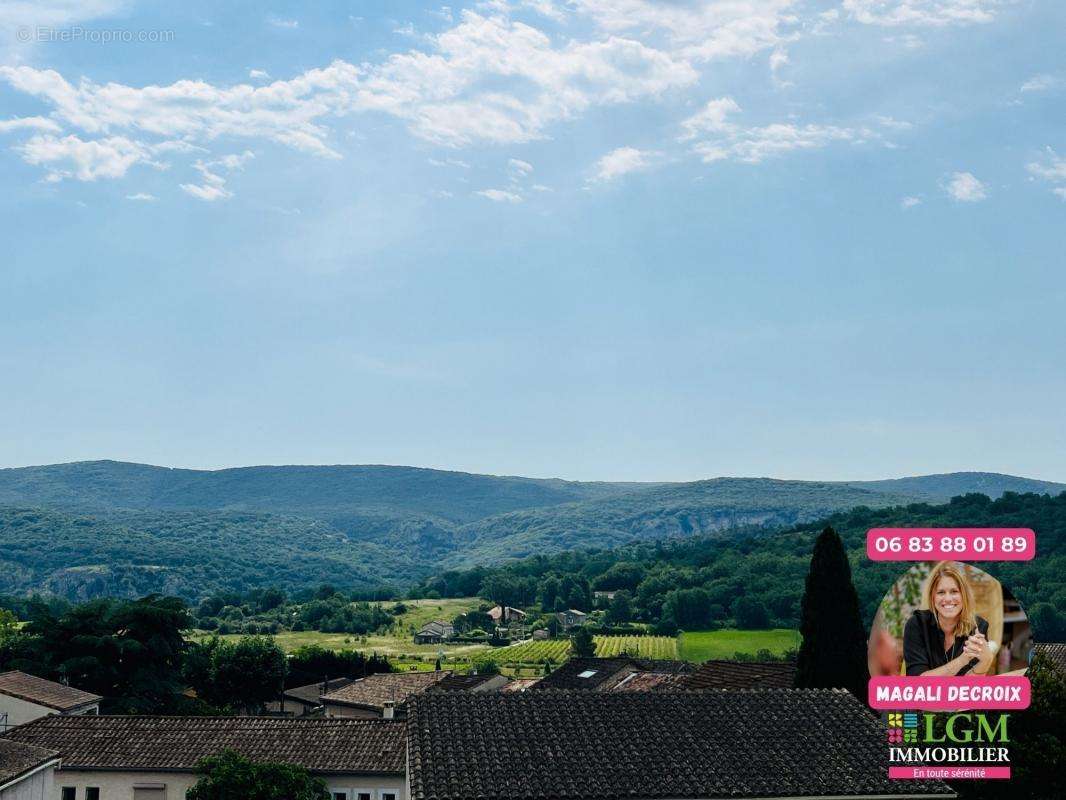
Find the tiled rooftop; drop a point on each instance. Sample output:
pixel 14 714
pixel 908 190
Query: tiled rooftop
pixel 177 743
pixel 313 691
pixel 574 745
pixel 17 759
pixel 374 691
pixel 1055 652
pixel 742 675
pixel 600 674
pixel 44 692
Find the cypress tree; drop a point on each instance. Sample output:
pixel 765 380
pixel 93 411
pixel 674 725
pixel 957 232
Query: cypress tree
pixel 833 652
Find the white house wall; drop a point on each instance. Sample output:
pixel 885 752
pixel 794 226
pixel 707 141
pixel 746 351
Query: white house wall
pixel 37 786
pixel 19 712
pixel 119 785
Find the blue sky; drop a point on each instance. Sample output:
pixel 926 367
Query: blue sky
pixel 596 239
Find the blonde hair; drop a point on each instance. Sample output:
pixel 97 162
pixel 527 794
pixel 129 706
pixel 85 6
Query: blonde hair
pixel 967 621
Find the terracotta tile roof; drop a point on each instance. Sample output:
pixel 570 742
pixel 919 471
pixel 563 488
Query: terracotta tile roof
pixel 742 675
pixel 600 674
pixel 177 743
pixel 520 684
pixel 649 682
pixel 1055 652
pixel 460 683
pixel 17 759
pixel 781 743
pixel 311 693
pixel 374 691
pixel 44 692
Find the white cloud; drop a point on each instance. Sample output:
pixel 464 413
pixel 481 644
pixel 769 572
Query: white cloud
pixel 910 202
pixel 449 162
pixel 519 168
pixel 712 118
pixel 699 31
pixel 281 22
pixel 71 156
pixel 500 195
pixel 29 123
pixel 213 185
pixel 622 161
pixel 258 74
pixel 1052 168
pixel 926 13
pixel 143 197
pixel 722 139
pixel 1040 83
pixel 965 188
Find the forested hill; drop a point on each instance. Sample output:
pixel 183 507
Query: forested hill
pixel 756 579
pixel 107 527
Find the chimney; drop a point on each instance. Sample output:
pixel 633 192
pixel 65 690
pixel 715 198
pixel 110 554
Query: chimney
pixel 389 711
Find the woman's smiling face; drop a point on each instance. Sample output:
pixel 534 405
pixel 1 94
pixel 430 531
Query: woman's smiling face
pixel 947 598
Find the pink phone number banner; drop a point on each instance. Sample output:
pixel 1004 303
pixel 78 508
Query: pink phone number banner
pixel 949 693
pixel 950 544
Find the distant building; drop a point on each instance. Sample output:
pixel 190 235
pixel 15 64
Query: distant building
pixel 24 698
pixel 506 615
pixel 303 700
pixel 601 595
pixel 541 633
pixel 605 674
pixel 435 632
pixel 154 758
pixel 571 618
pixel 384 694
pixel 26 772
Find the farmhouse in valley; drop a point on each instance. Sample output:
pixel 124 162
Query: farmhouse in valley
pixel 25 697
pixel 435 632
pixel 571 618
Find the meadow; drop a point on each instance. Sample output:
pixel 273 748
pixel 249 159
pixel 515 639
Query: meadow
pixel 703 645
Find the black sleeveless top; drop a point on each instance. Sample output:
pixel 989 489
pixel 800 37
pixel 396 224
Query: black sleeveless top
pixel 923 644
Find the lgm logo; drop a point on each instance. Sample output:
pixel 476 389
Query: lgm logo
pixel 963 745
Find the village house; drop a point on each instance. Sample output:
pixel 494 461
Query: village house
pixel 25 697
pixel 605 674
pixel 571 618
pixel 154 758
pixel 503 616
pixel 303 700
pixel 778 743
pixel 26 771
pixel 382 695
pixel 471 682
pixel 435 632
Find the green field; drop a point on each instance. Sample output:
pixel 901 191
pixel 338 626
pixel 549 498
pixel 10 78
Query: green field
pixel 558 650
pixel 704 645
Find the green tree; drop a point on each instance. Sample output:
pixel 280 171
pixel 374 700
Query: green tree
pixel 620 610
pixel 244 676
pixel 8 623
pixel 750 613
pixel 833 652
pixel 582 644
pixel 229 776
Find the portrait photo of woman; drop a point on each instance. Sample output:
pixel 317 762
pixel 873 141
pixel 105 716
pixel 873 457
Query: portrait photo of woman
pixel 948 618
pixel 947 637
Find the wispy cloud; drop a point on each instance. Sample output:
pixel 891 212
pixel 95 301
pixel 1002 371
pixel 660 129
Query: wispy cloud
pixel 925 13
pixel 965 187
pixel 258 74
pixel 142 197
pixel 1041 83
pixel 1050 168
pixel 500 195
pixel 212 186
pixel 29 124
pixel 910 202
pixel 282 22
pixel 622 161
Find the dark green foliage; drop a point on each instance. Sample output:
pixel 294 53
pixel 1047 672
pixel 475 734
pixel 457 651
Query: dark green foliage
pixel 581 643
pixel 832 654
pixel 771 567
pixel 620 610
pixel 1049 624
pixel 124 530
pixel 129 652
pixel 229 776
pixel 750 613
pixel 313 663
pixel 240 676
